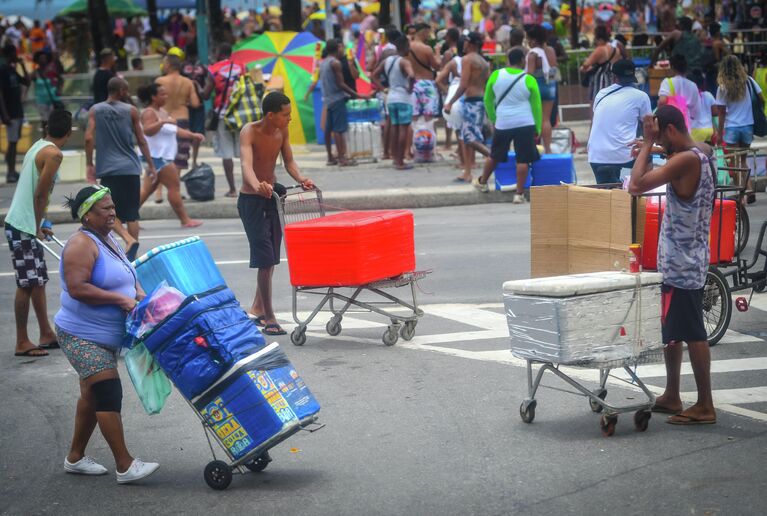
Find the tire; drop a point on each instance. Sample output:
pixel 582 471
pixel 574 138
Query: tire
pixel 390 336
pixel 596 407
pixel 218 475
pixel 408 330
pixel 527 411
pixel 259 463
pixel 333 327
pixel 607 425
pixel 642 420
pixel 744 227
pixel 717 305
pixel 298 336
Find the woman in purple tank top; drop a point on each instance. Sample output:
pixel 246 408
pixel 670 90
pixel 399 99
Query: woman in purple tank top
pixel 98 290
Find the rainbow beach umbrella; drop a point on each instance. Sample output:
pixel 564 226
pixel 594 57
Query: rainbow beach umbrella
pixel 289 55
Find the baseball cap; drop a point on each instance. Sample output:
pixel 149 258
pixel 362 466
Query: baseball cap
pixel 547 26
pixel 624 69
pixel 106 52
pixel 475 39
pixel 175 51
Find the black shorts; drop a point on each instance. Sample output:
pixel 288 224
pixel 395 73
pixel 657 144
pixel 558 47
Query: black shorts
pixel 197 120
pixel 524 144
pixel 28 258
pixel 682 315
pixel 126 194
pixel 262 225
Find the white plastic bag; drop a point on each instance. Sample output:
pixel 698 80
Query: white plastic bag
pixel 424 140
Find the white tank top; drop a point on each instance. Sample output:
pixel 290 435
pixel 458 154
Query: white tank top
pixel 545 66
pixel 456 79
pixel 163 143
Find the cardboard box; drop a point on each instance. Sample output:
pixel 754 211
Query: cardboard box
pixel 575 229
pixel 656 76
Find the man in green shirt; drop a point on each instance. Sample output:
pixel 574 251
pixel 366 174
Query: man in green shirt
pixel 24 226
pixel 513 104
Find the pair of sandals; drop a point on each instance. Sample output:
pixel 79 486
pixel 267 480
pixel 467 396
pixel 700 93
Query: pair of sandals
pixel 271 329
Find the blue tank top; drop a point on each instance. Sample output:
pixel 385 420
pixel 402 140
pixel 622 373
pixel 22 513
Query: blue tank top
pixel 683 250
pixel 102 324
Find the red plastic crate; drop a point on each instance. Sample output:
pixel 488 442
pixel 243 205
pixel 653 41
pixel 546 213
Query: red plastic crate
pixel 350 248
pixel 725 254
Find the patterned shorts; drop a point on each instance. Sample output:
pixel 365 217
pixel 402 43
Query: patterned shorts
pixel 473 120
pixel 184 147
pixel 28 258
pixel 426 101
pixel 87 357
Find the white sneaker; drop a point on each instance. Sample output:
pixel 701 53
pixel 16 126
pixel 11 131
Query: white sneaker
pixel 518 199
pixel 482 187
pixel 84 466
pixel 137 470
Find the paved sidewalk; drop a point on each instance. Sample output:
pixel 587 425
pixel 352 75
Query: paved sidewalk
pixel 366 186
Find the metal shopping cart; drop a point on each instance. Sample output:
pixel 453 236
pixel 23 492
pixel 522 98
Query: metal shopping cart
pixel 299 205
pixel 601 321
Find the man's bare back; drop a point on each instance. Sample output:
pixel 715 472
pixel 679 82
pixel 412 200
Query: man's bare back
pixel 425 55
pixel 478 72
pixel 266 147
pixel 181 95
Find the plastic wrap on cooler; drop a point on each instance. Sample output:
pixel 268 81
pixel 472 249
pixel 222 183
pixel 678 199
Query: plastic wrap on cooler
pixel 584 318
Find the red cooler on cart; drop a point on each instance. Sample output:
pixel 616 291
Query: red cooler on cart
pixel 350 248
pixel 719 254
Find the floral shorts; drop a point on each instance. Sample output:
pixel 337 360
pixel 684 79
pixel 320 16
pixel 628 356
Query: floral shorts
pixel 473 120
pixel 87 357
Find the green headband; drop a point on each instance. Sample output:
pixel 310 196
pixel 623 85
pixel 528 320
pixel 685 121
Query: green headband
pixel 95 197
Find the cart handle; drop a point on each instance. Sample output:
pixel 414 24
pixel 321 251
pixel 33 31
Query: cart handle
pixel 47 246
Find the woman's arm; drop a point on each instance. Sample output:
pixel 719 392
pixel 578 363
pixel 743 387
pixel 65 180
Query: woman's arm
pixel 151 123
pixel 593 59
pixel 78 260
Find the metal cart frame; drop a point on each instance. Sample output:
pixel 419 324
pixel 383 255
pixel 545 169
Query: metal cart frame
pixel 298 205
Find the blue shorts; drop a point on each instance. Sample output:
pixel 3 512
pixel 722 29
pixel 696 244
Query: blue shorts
pixel 473 119
pixel 159 163
pixel 548 89
pixel 400 113
pixel 337 119
pixel 739 135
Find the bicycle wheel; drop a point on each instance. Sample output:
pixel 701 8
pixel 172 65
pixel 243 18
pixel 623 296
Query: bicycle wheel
pixel 744 227
pixel 717 305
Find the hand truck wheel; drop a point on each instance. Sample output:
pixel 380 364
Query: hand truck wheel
pixel 717 305
pixel 333 327
pixel 391 335
pixel 298 336
pixel 596 407
pixel 642 420
pixel 527 410
pixel 259 463
pixel 607 425
pixel 218 475
pixel 408 330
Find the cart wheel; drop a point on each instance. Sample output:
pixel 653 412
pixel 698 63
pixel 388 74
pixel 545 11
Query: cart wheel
pixel 642 420
pixel 259 463
pixel 298 336
pixel 408 330
pixel 527 410
pixel 333 326
pixel 596 407
pixel 607 425
pixel 759 287
pixel 390 336
pixel 717 305
pixel 218 475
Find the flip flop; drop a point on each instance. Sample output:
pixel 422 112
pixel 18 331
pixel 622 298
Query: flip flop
pixel 682 420
pixel 31 352
pixel 348 163
pixel 273 330
pixel 132 251
pixel 259 320
pixel 231 195
pixel 658 409
pixel 460 180
pixel 406 166
pixel 50 345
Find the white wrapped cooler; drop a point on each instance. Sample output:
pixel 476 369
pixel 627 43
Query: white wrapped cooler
pixel 584 318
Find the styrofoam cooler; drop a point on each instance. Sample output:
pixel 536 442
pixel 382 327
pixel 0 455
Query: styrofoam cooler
pixel 260 398
pixel 595 317
pixel 350 248
pixel 186 265
pixel 720 250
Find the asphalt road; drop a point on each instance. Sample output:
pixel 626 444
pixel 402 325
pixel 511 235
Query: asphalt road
pixel 425 427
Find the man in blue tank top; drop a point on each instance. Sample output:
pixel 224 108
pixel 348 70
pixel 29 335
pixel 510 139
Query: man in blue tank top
pixel 683 255
pixel 24 226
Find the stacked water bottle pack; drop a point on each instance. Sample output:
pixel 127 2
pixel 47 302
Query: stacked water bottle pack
pixel 364 136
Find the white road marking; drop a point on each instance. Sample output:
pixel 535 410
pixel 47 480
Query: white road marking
pixel 187 235
pixel 732 396
pixel 717 366
pixel 759 301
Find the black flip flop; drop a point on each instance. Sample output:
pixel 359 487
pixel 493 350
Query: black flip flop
pixel 273 330
pixel 132 251
pixel 258 320
pixel 50 345
pixel 28 353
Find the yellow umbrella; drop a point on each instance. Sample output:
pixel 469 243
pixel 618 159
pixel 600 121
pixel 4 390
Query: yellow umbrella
pixel 372 8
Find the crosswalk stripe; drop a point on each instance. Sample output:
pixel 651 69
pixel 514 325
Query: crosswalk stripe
pixel 717 366
pixel 732 396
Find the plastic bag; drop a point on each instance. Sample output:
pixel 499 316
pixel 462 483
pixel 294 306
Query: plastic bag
pixel 162 302
pixel 424 140
pixel 723 176
pixel 200 183
pixel 150 382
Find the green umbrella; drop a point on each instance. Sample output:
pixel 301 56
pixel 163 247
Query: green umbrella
pixel 116 9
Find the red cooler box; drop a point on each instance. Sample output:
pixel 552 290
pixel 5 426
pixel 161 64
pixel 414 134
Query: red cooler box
pixel 350 248
pixel 725 255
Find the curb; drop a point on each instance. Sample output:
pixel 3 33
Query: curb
pixel 389 199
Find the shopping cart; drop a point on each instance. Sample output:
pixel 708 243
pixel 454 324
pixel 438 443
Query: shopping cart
pixel 538 337
pixel 298 205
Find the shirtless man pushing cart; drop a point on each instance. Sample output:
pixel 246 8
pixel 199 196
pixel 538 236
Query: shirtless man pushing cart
pixel 260 144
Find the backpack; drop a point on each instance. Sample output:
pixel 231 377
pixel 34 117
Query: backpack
pixel 679 102
pixel 244 104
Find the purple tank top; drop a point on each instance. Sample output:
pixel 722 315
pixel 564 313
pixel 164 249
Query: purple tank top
pixel 101 324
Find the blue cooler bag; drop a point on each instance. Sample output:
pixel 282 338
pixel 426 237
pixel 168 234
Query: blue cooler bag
pixel 202 339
